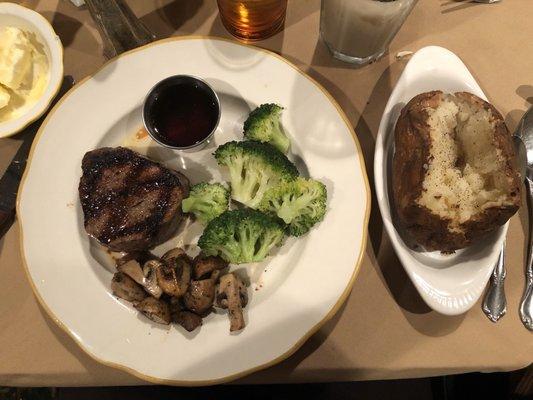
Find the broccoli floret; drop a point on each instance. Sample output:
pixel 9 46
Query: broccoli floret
pixel 254 168
pixel 242 236
pixel 300 204
pixel 263 125
pixel 206 201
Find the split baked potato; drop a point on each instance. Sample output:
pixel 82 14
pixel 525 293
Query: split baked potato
pixel 454 175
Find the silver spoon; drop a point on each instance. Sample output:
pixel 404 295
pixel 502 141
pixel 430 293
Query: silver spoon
pixel 524 138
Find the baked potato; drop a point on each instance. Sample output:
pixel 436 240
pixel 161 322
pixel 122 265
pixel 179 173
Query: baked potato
pixel 454 176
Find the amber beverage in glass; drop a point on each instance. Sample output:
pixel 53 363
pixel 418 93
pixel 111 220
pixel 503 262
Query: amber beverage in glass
pixel 251 20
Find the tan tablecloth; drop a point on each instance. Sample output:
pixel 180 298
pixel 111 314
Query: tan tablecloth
pixel 384 330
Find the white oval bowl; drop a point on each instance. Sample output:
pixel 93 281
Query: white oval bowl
pixel 449 284
pixel 21 17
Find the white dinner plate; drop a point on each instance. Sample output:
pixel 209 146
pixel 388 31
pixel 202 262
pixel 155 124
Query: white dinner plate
pixel 449 284
pixel 292 293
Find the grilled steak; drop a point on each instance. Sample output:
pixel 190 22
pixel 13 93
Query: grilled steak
pixel 130 202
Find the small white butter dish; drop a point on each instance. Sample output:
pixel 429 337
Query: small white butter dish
pixel 30 21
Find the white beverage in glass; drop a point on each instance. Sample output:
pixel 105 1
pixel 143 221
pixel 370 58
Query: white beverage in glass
pixel 360 31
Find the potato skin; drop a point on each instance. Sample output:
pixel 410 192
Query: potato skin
pixel 411 157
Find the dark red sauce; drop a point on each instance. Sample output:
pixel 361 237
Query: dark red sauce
pixel 183 114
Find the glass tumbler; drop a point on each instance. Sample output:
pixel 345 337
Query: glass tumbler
pixel 252 20
pixel 360 31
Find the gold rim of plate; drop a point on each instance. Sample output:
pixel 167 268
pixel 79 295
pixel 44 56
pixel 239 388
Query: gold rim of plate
pixel 307 335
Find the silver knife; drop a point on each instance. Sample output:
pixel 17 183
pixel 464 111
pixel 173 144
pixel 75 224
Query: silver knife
pixel 9 183
pixel 494 303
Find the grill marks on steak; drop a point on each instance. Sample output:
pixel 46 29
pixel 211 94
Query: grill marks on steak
pixel 129 202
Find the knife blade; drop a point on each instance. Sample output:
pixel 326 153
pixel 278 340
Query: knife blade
pixel 10 181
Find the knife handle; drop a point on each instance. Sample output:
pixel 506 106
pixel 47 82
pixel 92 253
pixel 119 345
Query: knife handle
pixel 495 304
pixel 6 219
pixel 121 30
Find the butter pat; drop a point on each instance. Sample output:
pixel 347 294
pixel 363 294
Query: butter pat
pixel 24 72
pixel 15 57
pixel 4 97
